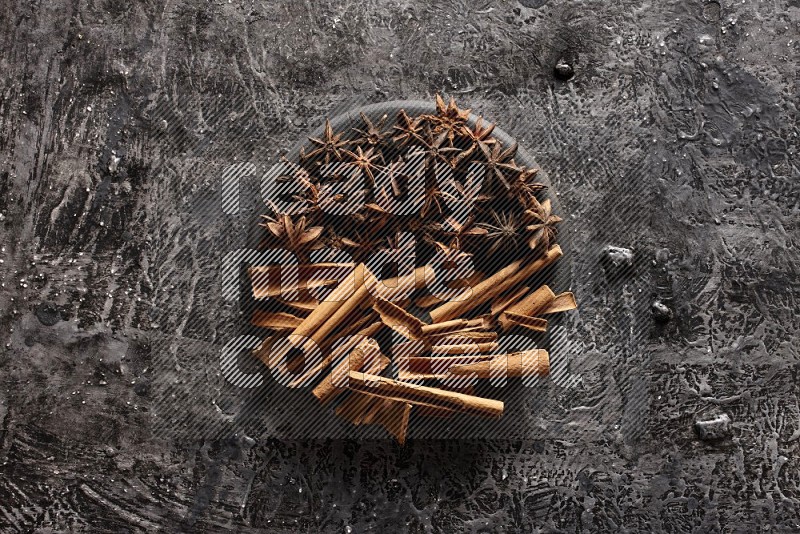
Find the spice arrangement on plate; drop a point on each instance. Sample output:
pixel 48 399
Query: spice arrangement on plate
pixel 442 191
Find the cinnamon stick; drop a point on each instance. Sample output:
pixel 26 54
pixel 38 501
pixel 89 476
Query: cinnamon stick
pixel 482 321
pixel 428 367
pixel 366 354
pixel 391 288
pixel 430 411
pixel 464 348
pixel 535 302
pixel 498 306
pixel 353 327
pixel 480 294
pixel 262 351
pixel 451 343
pixel 410 349
pixel 428 396
pixel 505 279
pixel 430 300
pixel 264 290
pixel 307 269
pixel 305 303
pixel 371 410
pixel 393 416
pixel 348 287
pixel 531 323
pixel 469 281
pixel 338 314
pixel 365 409
pixel 444 327
pixel 337 353
pixel 264 283
pixel 398 319
pixel 476 334
pixel 472 328
pixel 427 301
pixel 563 302
pixel 534 362
pixel 356 407
pixel 276 321
pixel 531 305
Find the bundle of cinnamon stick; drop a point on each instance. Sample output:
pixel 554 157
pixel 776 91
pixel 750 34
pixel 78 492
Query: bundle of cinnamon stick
pixel 433 371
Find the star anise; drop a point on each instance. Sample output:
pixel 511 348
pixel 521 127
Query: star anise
pixel 329 145
pixel 364 243
pixel 543 229
pixel 295 173
pixel 316 197
pixel 372 135
pixel 293 236
pixel 449 118
pixel 380 203
pixel 476 136
pixel 400 176
pixel 463 231
pixel 435 150
pixel 408 130
pixel 365 160
pixel 499 161
pixel 466 195
pixel 504 231
pixel 425 228
pixel 433 200
pixel 396 198
pixel 374 215
pixel 523 187
pixel 333 240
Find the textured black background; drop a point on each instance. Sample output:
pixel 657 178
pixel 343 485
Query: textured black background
pixel 706 96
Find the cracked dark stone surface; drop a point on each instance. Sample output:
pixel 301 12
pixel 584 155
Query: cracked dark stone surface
pixel 712 85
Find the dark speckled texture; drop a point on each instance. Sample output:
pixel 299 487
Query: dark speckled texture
pixel 705 95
